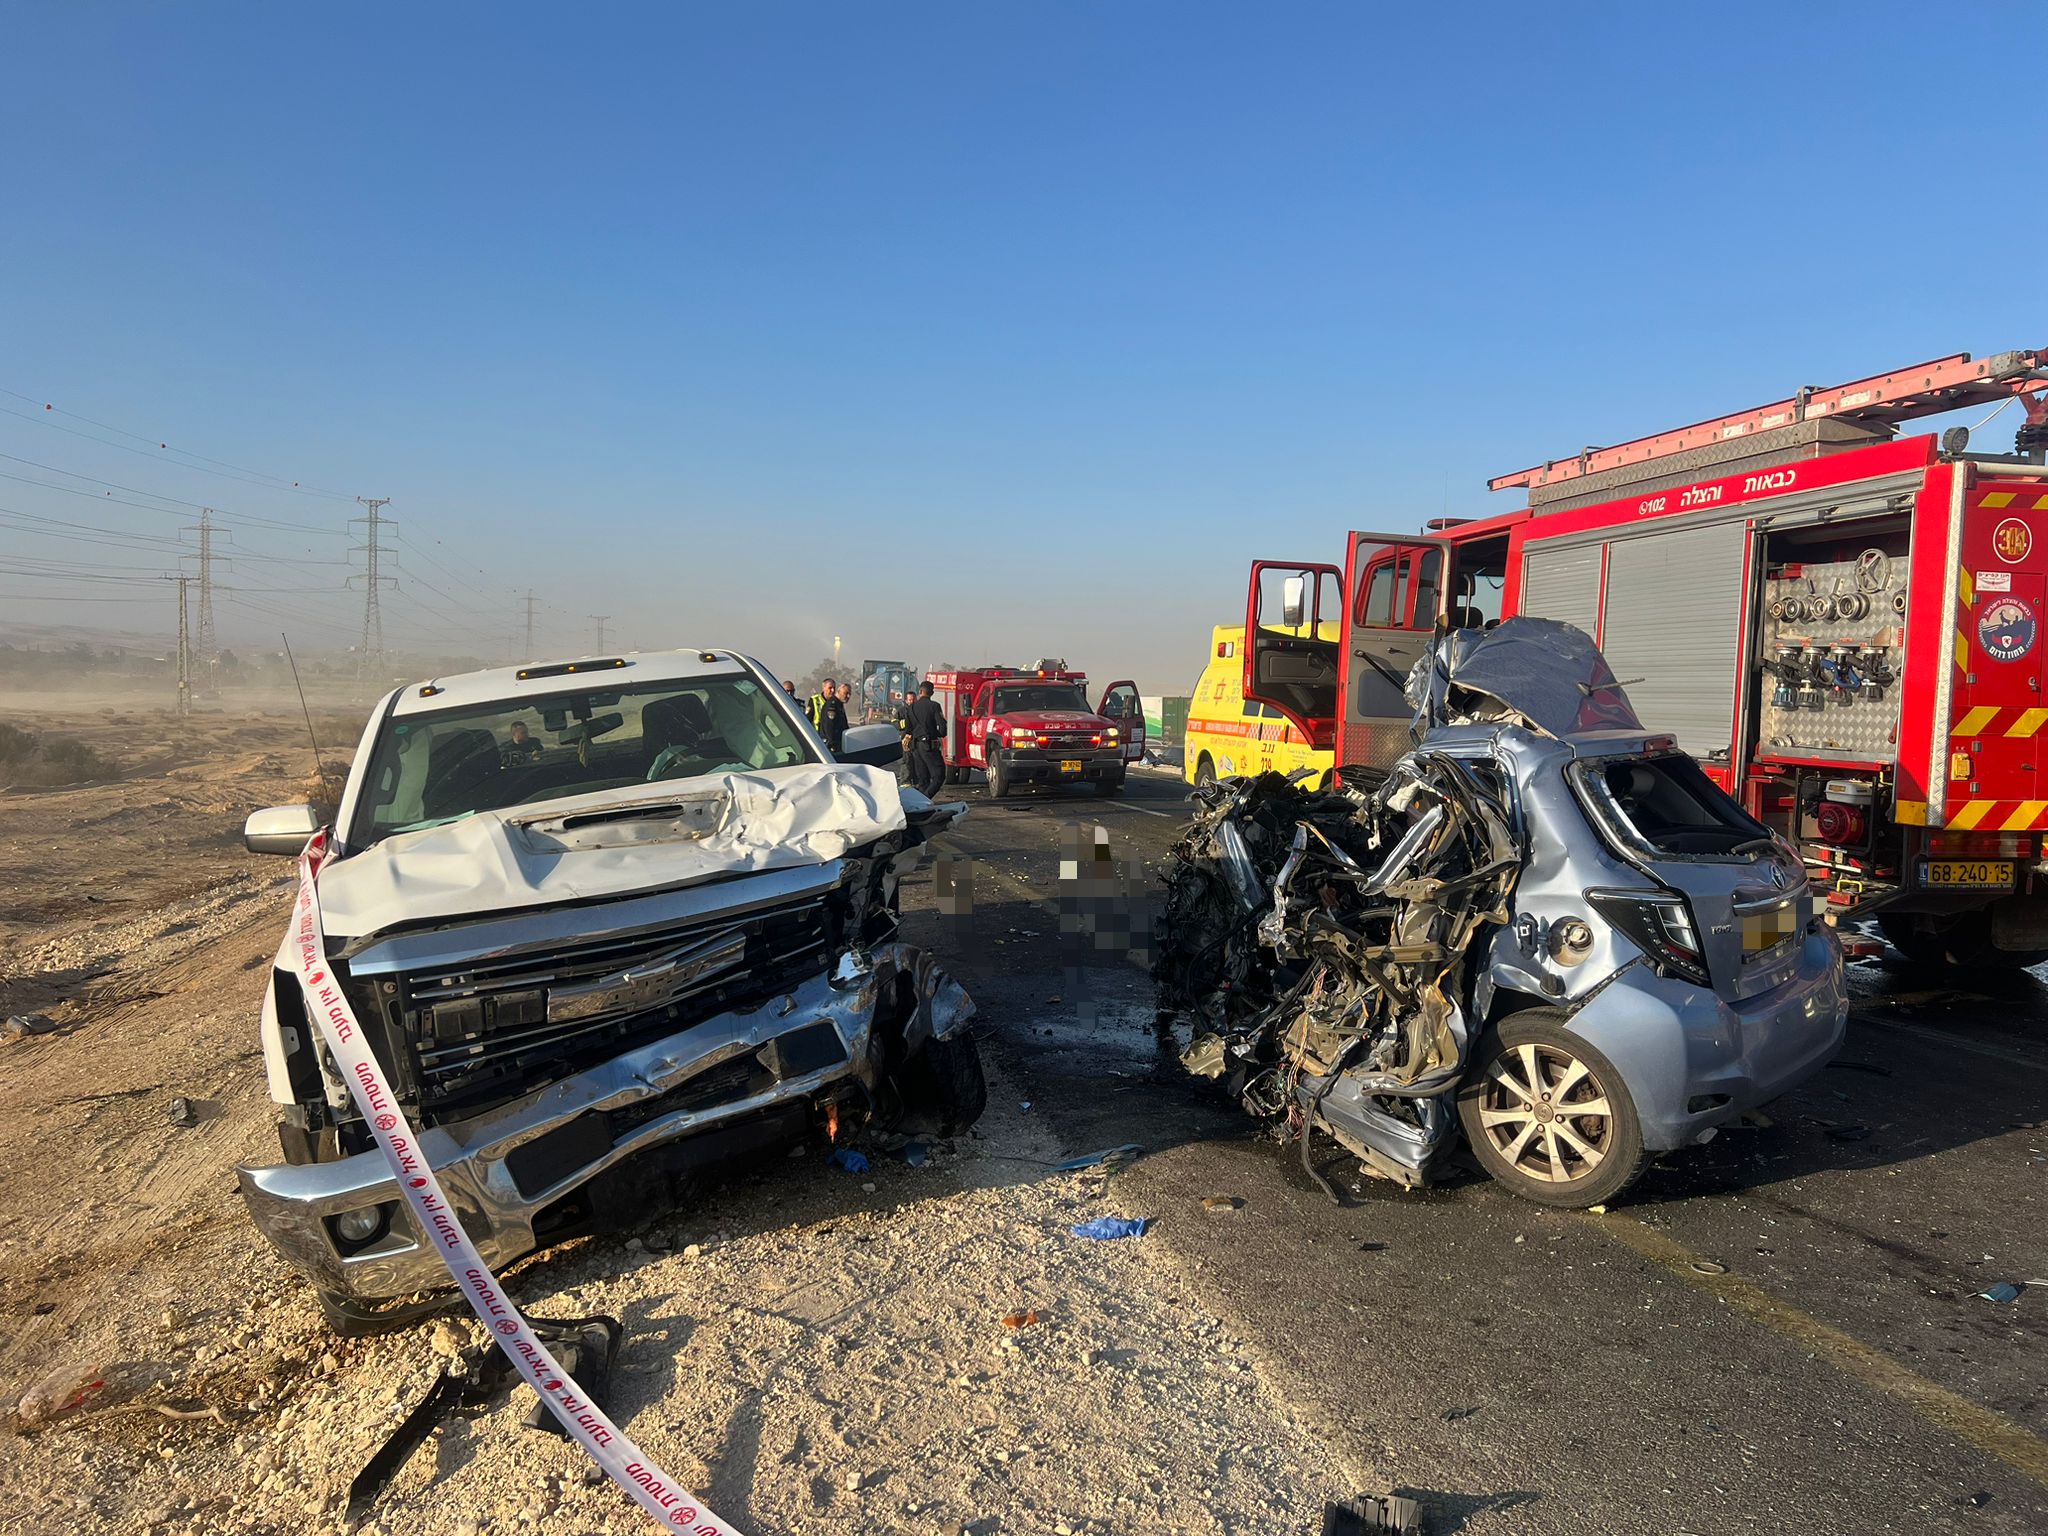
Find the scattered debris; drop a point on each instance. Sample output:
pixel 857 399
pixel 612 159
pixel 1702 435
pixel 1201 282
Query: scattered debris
pixel 1222 1203
pixel 1116 1156
pixel 1708 1267
pixel 1452 1415
pixel 915 1153
pixel 1374 1514
pixel 469 1385
pixel 18 1025
pixel 1028 1318
pixel 1108 1228
pixel 2008 1290
pixel 180 1112
pixel 849 1160
pixel 64 1390
pixel 1860 1066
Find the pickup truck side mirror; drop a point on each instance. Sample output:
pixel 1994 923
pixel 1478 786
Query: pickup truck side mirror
pixel 281 829
pixel 878 746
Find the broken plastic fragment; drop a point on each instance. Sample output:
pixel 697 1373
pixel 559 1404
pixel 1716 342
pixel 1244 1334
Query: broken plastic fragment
pixel 1105 1229
pixel 2005 1290
pixel 850 1160
pixel 1120 1154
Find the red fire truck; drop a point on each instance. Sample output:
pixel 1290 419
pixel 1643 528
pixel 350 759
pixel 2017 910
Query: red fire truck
pixel 1842 624
pixel 1034 725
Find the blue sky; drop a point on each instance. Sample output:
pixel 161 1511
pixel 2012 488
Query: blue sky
pixel 956 330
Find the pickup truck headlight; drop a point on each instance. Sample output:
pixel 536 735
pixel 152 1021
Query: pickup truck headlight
pixel 1110 734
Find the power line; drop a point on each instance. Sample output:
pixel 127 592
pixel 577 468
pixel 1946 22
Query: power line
pixel 205 466
pixel 170 511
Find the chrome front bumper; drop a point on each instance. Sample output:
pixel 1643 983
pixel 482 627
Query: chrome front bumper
pixel 499 1177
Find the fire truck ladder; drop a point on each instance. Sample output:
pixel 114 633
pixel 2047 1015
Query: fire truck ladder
pixel 1879 402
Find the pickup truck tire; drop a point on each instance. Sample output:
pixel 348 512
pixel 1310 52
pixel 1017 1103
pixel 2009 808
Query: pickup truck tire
pixel 1558 1158
pixel 944 1089
pixel 998 781
pixel 1111 786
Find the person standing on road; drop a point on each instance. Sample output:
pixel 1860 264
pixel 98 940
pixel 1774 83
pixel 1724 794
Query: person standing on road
pixel 789 688
pixel 828 714
pixel 925 725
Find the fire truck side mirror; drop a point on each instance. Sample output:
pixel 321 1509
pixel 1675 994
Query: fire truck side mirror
pixel 1293 601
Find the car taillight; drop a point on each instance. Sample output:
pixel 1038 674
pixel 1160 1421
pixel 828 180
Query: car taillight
pixel 1660 925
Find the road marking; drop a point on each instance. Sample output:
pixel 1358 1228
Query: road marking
pixel 1953 1042
pixel 1142 811
pixel 1992 1433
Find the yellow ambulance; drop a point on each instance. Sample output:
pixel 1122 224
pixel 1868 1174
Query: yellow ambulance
pixel 1226 736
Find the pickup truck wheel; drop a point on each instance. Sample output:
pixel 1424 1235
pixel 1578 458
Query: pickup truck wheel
pixel 1114 786
pixel 1548 1116
pixel 944 1090
pixel 998 781
pixel 1205 772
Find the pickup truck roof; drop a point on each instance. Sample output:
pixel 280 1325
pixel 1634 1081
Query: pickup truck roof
pixel 538 679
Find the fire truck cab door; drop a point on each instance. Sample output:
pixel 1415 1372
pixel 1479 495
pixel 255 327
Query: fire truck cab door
pixel 1121 706
pixel 1399 586
pixel 1293 624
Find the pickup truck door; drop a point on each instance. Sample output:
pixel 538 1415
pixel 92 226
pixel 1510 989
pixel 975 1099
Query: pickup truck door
pixel 1122 707
pixel 1293 626
pixel 1397 584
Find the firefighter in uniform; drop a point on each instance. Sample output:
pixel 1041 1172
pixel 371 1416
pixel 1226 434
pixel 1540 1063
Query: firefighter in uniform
pixel 924 730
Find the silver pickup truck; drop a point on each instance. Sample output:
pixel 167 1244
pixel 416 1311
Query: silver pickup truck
pixel 610 924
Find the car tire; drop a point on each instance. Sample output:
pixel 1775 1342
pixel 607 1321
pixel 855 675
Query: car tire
pixel 1205 772
pixel 1960 939
pixel 1568 1160
pixel 944 1089
pixel 998 781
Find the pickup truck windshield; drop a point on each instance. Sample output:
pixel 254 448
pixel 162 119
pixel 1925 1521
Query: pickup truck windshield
pixel 428 768
pixel 1037 696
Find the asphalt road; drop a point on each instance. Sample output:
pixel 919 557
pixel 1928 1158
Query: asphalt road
pixel 1780 1331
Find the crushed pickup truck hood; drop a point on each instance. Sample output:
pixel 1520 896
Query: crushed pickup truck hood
pixel 587 846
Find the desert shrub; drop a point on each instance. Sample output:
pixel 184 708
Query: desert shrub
pixel 38 761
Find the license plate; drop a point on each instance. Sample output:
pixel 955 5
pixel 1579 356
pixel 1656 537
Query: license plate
pixel 1767 930
pixel 1966 874
pixel 1070 765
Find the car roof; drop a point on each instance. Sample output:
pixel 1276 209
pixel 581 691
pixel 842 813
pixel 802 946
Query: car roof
pixel 545 679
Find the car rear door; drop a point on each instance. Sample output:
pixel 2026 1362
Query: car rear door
pixel 1397 584
pixel 1122 707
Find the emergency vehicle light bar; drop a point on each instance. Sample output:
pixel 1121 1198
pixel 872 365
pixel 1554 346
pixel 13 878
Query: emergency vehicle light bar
pixel 1925 389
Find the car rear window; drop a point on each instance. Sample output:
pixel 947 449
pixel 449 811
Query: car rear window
pixel 1665 805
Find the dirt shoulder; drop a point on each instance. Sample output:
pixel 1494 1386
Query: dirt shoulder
pixel 831 1356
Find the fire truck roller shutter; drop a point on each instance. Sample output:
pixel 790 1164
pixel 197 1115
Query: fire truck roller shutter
pixel 1673 618
pixel 1563 583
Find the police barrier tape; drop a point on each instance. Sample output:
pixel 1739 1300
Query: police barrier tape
pixel 586 1423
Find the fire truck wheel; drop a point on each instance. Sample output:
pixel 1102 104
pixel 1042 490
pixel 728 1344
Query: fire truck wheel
pixel 1963 939
pixel 1548 1116
pixel 1205 773
pixel 998 781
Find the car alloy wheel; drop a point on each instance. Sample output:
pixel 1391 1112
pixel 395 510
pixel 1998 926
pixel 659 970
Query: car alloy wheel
pixel 1546 1114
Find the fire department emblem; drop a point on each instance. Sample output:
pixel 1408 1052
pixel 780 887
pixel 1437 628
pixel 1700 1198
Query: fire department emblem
pixel 2013 540
pixel 2006 629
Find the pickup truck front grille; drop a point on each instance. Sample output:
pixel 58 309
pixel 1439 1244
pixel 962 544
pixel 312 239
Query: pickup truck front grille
pixel 487 1030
